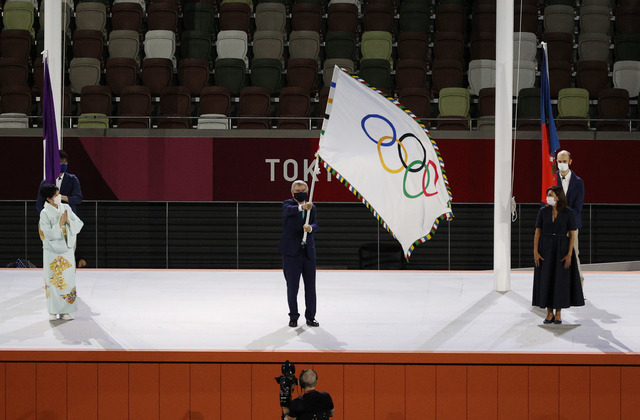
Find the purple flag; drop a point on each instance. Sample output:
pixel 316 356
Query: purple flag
pixel 50 135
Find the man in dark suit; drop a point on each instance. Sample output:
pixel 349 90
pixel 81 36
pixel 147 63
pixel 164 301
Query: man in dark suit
pixel 298 256
pixel 67 183
pixel 573 188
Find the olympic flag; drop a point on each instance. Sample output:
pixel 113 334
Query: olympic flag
pixel 386 158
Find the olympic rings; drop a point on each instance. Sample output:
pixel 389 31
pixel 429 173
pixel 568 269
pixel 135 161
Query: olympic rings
pixel 400 146
pixel 393 138
pixel 414 167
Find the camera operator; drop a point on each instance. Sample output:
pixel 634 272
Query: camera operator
pixel 311 405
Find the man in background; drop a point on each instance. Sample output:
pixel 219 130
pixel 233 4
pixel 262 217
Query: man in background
pixel 573 188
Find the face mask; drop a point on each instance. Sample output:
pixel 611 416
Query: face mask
pixel 551 201
pixel 563 167
pixel 301 196
pixel 63 167
pixel 57 200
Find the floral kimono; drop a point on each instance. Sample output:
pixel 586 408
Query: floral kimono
pixel 59 264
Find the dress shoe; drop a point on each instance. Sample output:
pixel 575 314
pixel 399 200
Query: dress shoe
pixel 293 323
pixel 557 321
pixel 550 321
pixel 313 323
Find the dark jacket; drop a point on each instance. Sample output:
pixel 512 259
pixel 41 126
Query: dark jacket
pixel 70 187
pixel 292 232
pixel 575 196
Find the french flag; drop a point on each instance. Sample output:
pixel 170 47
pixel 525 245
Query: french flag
pixel 550 142
pixel 50 134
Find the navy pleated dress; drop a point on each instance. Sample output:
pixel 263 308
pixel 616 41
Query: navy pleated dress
pixel 553 285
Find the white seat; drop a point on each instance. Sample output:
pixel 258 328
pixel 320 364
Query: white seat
pixel 213 122
pixel 527 74
pixel 232 44
pixel 481 74
pixel 14 120
pixel 528 44
pixel 626 75
pixel 160 44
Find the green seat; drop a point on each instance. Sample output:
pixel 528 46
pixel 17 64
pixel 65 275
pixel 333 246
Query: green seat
pixel 93 120
pixel 376 72
pixel 415 16
pixel 377 44
pixel 267 73
pixel 627 47
pixel 18 15
pixel 230 73
pixel 340 44
pixel 198 16
pixel 573 109
pixel 529 109
pixel 453 107
pixel 196 44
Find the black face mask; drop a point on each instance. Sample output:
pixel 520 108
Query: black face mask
pixel 301 196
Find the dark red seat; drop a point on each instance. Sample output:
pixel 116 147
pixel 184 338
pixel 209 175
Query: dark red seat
pixel 126 16
pixel 342 17
pixel 378 17
pixel 135 107
pixel 294 102
pixel 235 16
pixel 417 100
pixel 157 73
pixel 96 100
pixel 175 101
pixel 446 73
pixel 593 76
pixel 303 73
pixel 306 17
pixel 411 74
pixel 162 15
pixel 413 45
pixel 121 72
pixel 255 101
pixel 613 104
pixel 215 100
pixel 16 99
pixel 193 73
pixel 448 45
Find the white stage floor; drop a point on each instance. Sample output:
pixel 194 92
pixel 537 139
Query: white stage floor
pixel 390 311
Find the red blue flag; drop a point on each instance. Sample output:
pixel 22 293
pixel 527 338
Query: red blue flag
pixel 50 134
pixel 550 142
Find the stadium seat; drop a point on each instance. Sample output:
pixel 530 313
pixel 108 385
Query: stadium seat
pixel 294 102
pixel 193 73
pixel 626 75
pixel 175 101
pixel 573 110
pixel 327 71
pixel 304 44
pixel 255 101
pixel 481 74
pixel 595 19
pixel 415 16
pixel 417 100
pixel 446 45
pixel 196 44
pixel 120 73
pixel 593 76
pixel 526 45
pixel 16 99
pixel 377 45
pixel 271 16
pixel 232 44
pixel 88 43
pixel 84 72
pixel 157 73
pixel 230 73
pixel 446 73
pixel 198 16
pixel 303 73
pixel 453 107
pixel 268 44
pixel 342 17
pixel 306 17
pixel 593 46
pixel 340 44
pixel 483 46
pixel 559 46
pixel 135 107
pixel 559 18
pixel 524 75
pixel 124 43
pixel 267 73
pixel 411 74
pixel 16 43
pixel 528 110
pixel 613 104
pixel 378 17
pixel 235 16
pixel 126 16
pixel 91 15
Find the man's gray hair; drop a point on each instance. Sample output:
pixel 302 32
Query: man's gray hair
pixel 298 182
pixel 564 152
pixel 310 378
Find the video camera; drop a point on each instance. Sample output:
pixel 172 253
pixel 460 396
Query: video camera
pixel 287 381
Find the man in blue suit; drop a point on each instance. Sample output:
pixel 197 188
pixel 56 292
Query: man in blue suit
pixel 573 188
pixel 67 183
pixel 298 257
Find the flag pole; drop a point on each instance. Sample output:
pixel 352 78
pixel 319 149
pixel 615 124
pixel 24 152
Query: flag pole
pixel 313 184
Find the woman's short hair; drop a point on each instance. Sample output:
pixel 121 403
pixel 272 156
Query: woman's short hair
pixel 48 191
pixel 562 198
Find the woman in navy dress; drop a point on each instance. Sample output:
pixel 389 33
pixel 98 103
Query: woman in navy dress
pixel 556 279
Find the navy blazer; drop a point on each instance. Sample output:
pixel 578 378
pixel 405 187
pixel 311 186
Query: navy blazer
pixel 70 187
pixel 575 196
pixel 292 222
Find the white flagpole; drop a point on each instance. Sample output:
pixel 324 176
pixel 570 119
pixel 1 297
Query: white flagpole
pixel 313 184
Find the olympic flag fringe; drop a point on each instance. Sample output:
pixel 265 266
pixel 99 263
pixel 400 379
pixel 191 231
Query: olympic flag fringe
pixel 383 154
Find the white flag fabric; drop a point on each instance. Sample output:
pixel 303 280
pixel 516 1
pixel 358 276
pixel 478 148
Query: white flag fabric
pixel 386 158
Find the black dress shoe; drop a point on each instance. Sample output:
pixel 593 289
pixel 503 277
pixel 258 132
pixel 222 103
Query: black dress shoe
pixel 550 321
pixel 313 323
pixel 293 323
pixel 557 321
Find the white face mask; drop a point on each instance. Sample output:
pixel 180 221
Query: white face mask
pixel 551 201
pixel 57 200
pixel 563 167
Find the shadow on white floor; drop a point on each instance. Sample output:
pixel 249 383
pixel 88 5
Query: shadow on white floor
pixel 357 311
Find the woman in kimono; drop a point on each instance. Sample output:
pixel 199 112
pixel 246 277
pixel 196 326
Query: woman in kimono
pixel 556 279
pixel 58 229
